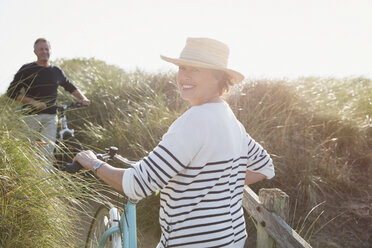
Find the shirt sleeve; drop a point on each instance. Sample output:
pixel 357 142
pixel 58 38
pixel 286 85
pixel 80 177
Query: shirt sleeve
pixel 259 160
pixel 172 155
pixel 19 81
pixel 65 82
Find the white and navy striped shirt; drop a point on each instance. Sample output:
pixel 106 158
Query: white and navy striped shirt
pixel 200 166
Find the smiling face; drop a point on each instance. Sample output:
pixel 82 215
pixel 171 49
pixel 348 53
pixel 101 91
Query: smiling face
pixel 197 85
pixel 42 52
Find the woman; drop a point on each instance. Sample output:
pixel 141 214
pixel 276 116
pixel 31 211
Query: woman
pixel 202 162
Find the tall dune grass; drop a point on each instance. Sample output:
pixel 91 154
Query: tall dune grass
pixel 316 129
pixel 321 153
pixel 40 206
pixel 312 146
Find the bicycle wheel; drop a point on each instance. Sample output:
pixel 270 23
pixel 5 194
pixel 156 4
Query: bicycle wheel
pixel 101 222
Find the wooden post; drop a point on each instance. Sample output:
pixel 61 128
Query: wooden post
pixel 274 225
pixel 275 200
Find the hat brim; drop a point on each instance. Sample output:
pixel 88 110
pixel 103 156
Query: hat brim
pixel 236 76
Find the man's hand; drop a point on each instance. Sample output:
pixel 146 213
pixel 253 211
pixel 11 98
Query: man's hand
pixel 39 105
pixel 85 102
pixel 79 95
pixel 28 100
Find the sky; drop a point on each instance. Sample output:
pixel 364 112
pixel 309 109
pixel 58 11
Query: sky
pixel 267 38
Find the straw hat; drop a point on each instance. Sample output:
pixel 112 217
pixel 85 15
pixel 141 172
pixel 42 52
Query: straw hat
pixel 206 53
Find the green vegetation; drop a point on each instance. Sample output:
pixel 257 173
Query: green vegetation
pixel 40 205
pixel 36 208
pixel 316 129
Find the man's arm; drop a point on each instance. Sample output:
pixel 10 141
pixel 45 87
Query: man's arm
pixel 20 81
pixel 31 101
pixel 79 95
pixel 70 87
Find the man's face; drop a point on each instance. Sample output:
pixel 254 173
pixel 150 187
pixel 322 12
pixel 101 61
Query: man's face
pixel 42 51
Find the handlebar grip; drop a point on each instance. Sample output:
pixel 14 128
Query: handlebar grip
pixel 73 167
pixel 76 105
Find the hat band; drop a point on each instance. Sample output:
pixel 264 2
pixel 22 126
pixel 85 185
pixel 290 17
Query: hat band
pixel 203 58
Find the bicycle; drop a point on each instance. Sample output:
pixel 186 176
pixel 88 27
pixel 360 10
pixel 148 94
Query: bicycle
pixel 108 228
pixel 67 146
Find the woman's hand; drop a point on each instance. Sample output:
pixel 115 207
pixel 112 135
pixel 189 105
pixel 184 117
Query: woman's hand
pixel 110 175
pixel 87 159
pixel 253 177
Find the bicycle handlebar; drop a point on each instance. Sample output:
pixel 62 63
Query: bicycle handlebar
pixel 73 167
pixel 110 154
pixel 72 105
pixel 63 107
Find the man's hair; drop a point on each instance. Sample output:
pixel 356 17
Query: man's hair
pixel 41 40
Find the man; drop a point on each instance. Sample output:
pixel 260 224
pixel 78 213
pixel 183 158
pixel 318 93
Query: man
pixel 36 86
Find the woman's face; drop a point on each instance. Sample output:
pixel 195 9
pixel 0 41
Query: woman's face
pixel 197 85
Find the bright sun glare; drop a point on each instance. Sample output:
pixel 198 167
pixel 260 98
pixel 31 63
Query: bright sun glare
pixel 268 38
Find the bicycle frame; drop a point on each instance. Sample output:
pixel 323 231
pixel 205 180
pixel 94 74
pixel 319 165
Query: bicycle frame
pixel 64 128
pixel 128 226
pixel 67 145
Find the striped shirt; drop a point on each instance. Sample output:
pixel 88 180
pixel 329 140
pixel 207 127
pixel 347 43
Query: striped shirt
pixel 199 167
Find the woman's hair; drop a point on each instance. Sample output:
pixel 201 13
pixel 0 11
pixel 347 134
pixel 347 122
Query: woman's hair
pixel 224 81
